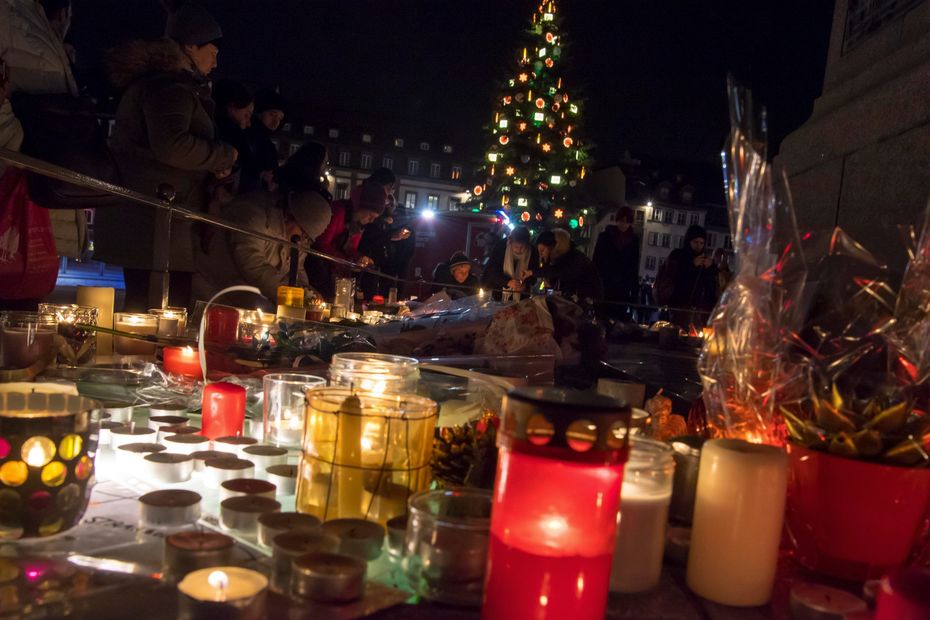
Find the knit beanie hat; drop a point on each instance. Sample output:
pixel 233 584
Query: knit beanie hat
pixel 267 99
pixel 190 24
pixel 458 258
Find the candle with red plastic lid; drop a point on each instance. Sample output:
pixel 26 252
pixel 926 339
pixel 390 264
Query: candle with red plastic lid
pixel 223 410
pixel 222 325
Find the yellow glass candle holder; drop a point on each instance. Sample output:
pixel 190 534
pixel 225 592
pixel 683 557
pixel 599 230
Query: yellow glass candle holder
pixel 364 454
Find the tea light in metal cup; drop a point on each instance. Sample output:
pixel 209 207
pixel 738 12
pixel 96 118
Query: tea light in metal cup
pixel 274 523
pixel 217 471
pixel 222 592
pixel 284 477
pixel 130 434
pixel 159 421
pixel 288 546
pixel 186 444
pixel 161 409
pixel 265 456
pixel 202 456
pixel 130 455
pixel 234 444
pixel 328 577
pixel 169 508
pixel 192 550
pixel 246 486
pixel 359 538
pixel 816 602
pixel 177 429
pixel 119 412
pixel 241 513
pixel 167 467
pixel 103 431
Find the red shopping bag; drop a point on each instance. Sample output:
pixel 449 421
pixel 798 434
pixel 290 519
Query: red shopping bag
pixel 28 260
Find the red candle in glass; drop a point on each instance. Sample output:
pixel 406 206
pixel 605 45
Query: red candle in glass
pixel 182 361
pixel 222 325
pixel 223 410
pixel 904 594
pixel 555 505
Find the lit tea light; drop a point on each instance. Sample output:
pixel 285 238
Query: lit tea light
pixel 274 523
pixel 140 324
pixel 246 486
pixel 182 361
pixel 359 538
pixel 223 592
pixel 171 321
pixel 288 546
pixel 328 577
pixel 218 471
pixel 169 508
pixel 241 513
pixel 166 467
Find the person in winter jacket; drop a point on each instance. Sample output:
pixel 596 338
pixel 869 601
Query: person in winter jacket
pixel 341 238
pixel 388 241
pixel 297 208
pixel 565 268
pixel 256 170
pixel 616 256
pixel 693 273
pixel 457 276
pixel 164 134
pixel 509 260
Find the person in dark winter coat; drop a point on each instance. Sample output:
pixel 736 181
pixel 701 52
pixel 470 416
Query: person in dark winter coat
pixel 565 268
pixel 341 238
pixel 164 134
pixel 509 259
pixel 616 256
pixel 693 273
pixel 457 276
pixel 387 240
pixel 256 172
pixel 234 105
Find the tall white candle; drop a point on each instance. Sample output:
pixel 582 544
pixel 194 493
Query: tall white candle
pixel 738 515
pixel 102 298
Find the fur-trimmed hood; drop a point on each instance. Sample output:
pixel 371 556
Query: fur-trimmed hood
pixel 130 61
pixel 563 243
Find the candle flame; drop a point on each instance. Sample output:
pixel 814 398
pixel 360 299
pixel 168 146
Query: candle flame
pixel 219 581
pixel 36 455
pixel 554 525
pixel 187 352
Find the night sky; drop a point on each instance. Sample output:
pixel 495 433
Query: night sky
pixel 652 71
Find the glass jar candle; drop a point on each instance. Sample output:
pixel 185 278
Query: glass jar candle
pixel 81 343
pixel 26 337
pixel 146 324
pixel 556 495
pixel 375 372
pixel 172 321
pixel 643 516
pixel 285 402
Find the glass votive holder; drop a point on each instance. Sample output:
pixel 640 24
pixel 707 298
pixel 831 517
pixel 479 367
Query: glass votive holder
pixel 256 327
pixel 81 344
pixel 641 522
pixel 375 372
pixel 285 403
pixel 172 321
pixel 134 324
pixel 26 337
pixel 446 545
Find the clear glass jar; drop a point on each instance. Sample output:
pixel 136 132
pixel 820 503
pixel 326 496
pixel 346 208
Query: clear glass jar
pixel 81 343
pixel 26 337
pixel 172 321
pixel 285 404
pixel 375 372
pixel 132 323
pixel 643 516
pixel 345 295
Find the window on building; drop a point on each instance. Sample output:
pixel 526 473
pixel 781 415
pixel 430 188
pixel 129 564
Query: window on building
pixel 388 162
pixel 432 201
pixel 286 127
pixel 455 204
pixel 682 218
pixel 308 130
pixel 434 170
pixel 366 138
pixel 446 148
pixel 652 238
pixel 410 200
pixel 413 167
pixel 711 240
pixel 662 260
pixel 666 240
pixel 424 146
pixel 640 216
pixel 695 218
pixel 657 215
pixel 342 190
pixel 345 158
pixel 679 241
pixel 293 148
pixel 727 242
pixel 668 216
pixel 366 160
pixel 399 143
pixel 333 133
pixel 456 173
pixel 650 263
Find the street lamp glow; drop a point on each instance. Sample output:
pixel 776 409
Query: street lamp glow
pixel 428 214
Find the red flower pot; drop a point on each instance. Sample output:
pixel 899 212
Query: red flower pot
pixel 854 519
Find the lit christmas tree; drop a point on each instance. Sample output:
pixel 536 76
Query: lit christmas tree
pixel 536 159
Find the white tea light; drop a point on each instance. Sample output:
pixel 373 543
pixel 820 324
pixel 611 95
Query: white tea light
pixel 186 444
pixel 272 524
pixel 130 434
pixel 234 444
pixel 103 431
pixel 265 456
pixel 222 592
pixel 328 577
pixel 119 411
pixel 202 456
pixel 284 477
pixel 240 514
pixel 167 467
pixel 160 421
pixel 169 508
pixel 130 455
pixel 246 486
pixel 288 546
pixel 218 471
pixel 359 538
pixel 168 409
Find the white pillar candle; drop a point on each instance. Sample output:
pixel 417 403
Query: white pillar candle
pixel 223 591
pixel 169 508
pixel 284 477
pixel 130 434
pixel 217 471
pixel 737 526
pixel 102 298
pixel 167 467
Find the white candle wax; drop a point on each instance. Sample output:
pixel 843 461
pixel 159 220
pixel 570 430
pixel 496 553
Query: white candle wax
pixel 738 514
pixel 640 542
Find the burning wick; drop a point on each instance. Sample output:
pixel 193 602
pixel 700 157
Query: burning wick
pixel 219 581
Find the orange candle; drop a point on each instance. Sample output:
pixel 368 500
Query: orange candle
pixel 182 361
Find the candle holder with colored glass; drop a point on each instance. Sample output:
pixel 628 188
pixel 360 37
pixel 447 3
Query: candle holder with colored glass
pixel 27 338
pixel 80 345
pixel 643 517
pixel 46 459
pixel 556 495
pixel 285 404
pixel 375 372
pixel 447 544
pixel 364 454
pixel 172 321
pixel 133 323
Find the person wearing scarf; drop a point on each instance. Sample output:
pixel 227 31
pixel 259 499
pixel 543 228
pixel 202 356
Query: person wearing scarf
pixel 512 256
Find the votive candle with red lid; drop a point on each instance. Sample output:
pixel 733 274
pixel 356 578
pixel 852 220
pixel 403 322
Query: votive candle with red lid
pixel 556 497
pixel 223 410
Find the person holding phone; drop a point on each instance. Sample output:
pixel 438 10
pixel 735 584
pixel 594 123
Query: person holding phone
pixel 693 272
